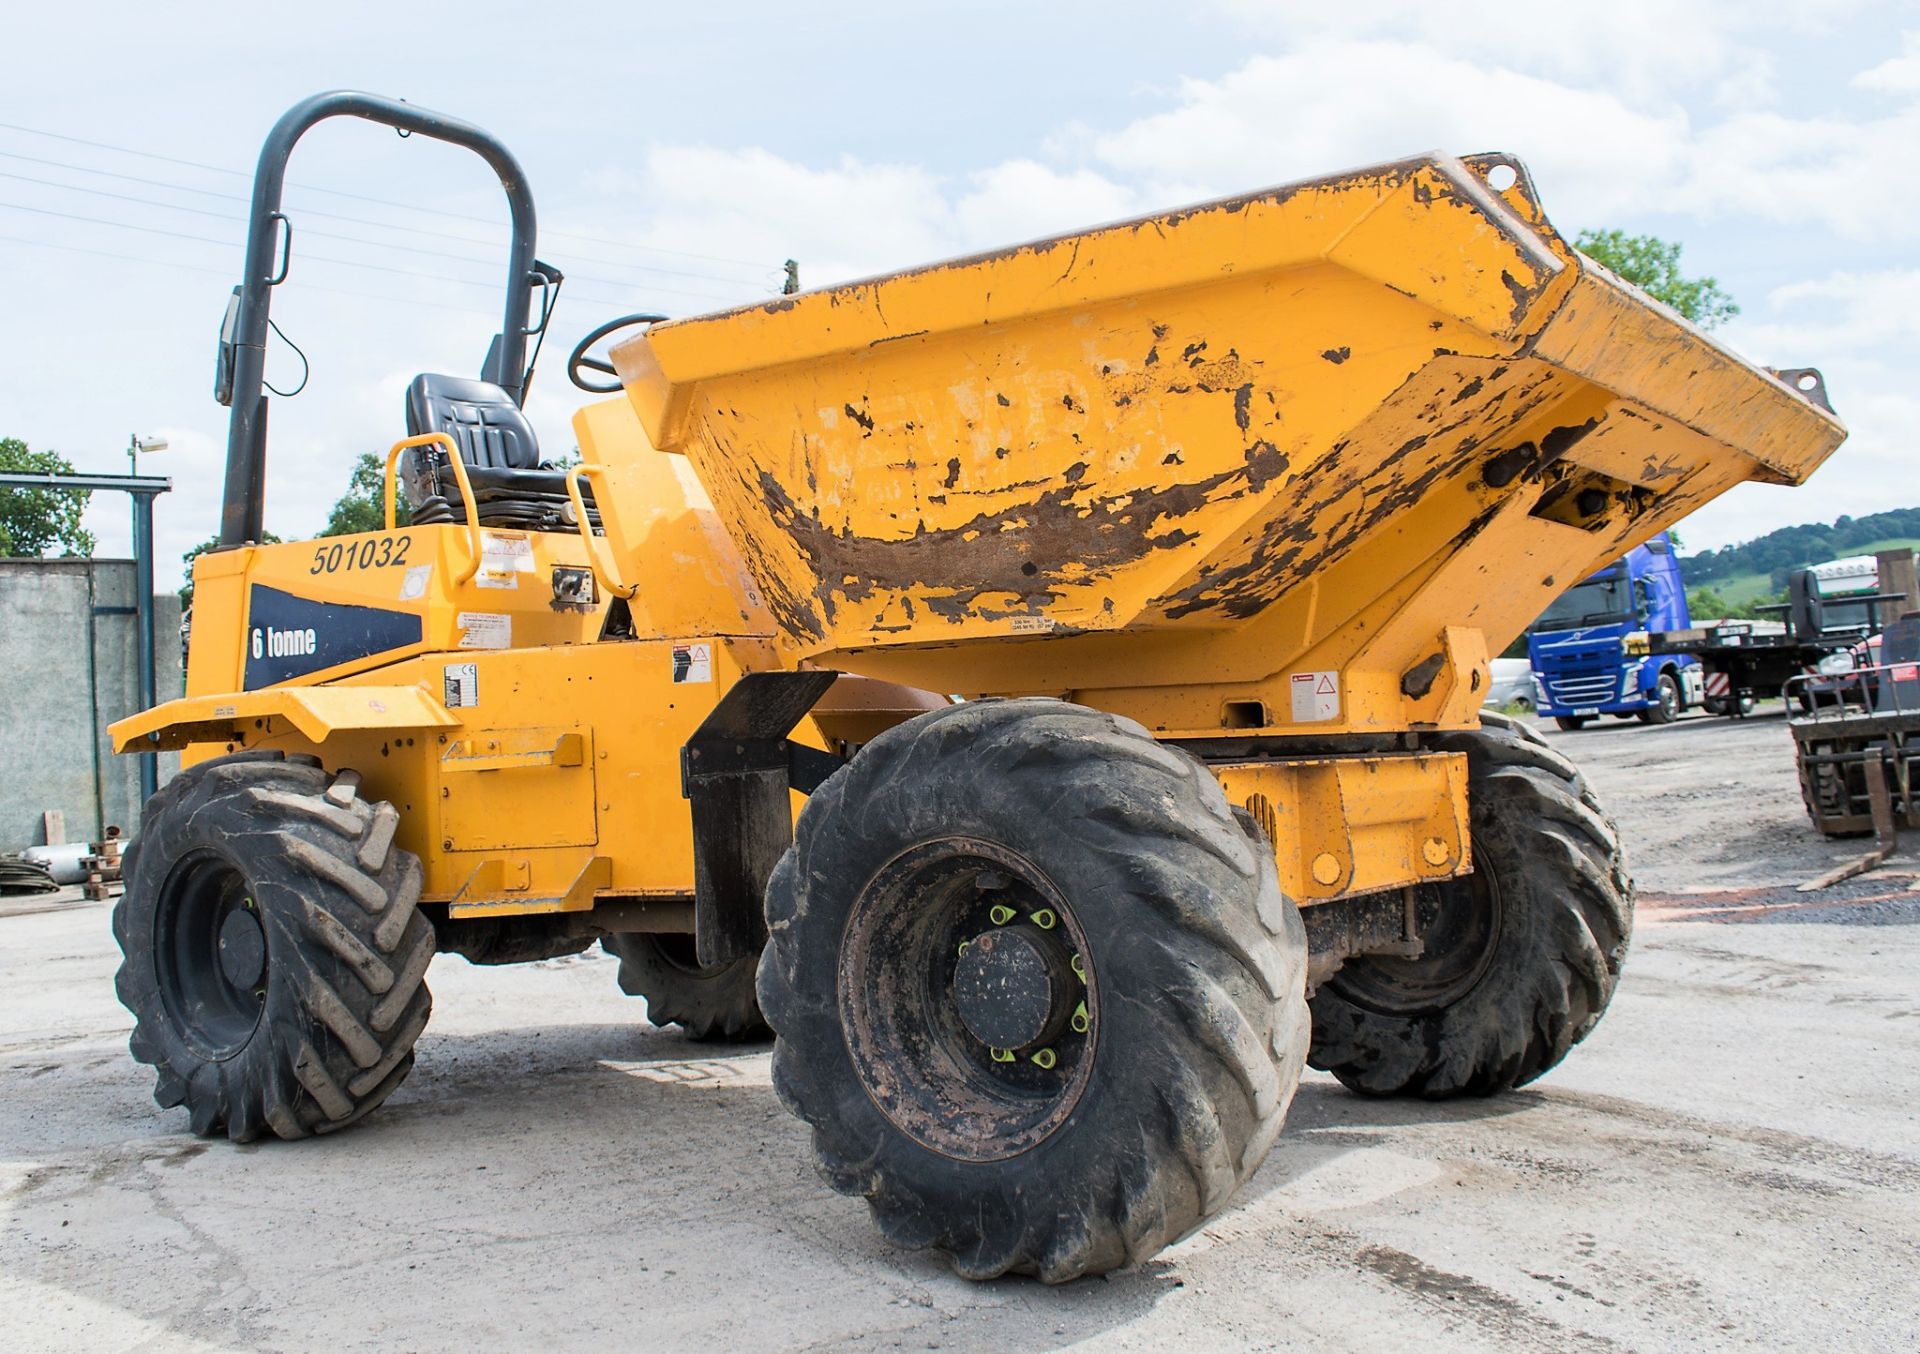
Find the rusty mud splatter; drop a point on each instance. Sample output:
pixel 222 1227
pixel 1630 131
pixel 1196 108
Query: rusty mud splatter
pixel 1064 535
pixel 1294 542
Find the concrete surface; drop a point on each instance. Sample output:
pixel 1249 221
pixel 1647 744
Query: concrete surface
pixel 1731 1161
pixel 53 691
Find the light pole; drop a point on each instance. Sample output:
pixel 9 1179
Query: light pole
pixel 137 444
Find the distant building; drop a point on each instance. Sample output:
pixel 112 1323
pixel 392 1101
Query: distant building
pixel 68 668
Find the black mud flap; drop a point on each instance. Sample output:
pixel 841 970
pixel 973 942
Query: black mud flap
pixel 736 771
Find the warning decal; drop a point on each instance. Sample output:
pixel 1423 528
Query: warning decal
pixel 1316 696
pixel 485 630
pixel 692 663
pixel 503 559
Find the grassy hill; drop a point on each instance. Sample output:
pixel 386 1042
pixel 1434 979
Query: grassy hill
pixel 1753 586
pixel 1773 555
pixel 1752 572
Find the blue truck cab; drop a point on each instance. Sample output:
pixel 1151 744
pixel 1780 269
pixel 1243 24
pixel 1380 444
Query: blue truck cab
pixel 1589 649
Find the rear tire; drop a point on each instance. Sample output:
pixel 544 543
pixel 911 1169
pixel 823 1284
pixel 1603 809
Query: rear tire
pixel 708 1004
pixel 1076 841
pixel 1523 954
pixel 275 959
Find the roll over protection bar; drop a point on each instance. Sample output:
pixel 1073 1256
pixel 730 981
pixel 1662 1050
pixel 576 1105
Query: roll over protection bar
pixel 243 507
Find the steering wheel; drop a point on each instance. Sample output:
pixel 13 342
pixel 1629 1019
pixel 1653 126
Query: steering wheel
pixel 579 359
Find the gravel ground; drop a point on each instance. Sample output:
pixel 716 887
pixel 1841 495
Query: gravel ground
pixel 1731 1161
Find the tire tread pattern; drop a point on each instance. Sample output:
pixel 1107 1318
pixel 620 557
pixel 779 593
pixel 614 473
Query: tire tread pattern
pixel 1189 907
pixel 348 947
pixel 1569 922
pixel 709 1005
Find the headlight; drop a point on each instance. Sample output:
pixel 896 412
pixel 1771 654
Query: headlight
pixel 1834 664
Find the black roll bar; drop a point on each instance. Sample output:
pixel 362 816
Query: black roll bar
pixel 242 512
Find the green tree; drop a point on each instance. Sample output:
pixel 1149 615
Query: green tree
pixel 211 543
pixel 359 508
pixel 1704 604
pixel 33 521
pixel 1653 265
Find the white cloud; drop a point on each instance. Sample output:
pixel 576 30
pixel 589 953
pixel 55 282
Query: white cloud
pixel 1022 200
pixel 1340 103
pixel 1643 49
pixel 840 220
pixel 1896 75
pixel 1840 314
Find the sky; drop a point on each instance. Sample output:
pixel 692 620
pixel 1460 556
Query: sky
pixel 679 154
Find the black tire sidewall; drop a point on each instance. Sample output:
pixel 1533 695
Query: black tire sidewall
pixel 1667 702
pixel 284 827
pixel 209 818
pixel 708 1004
pixel 863 819
pixel 1565 920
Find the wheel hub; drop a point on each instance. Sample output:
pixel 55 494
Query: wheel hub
pixel 211 954
pixel 243 949
pixel 1009 991
pixel 1459 923
pixel 968 999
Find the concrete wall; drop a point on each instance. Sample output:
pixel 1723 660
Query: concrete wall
pixel 62 682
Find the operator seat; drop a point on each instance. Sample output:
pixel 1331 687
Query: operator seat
pixel 512 486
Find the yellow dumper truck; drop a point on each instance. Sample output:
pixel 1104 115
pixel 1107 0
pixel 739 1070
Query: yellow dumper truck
pixel 1043 688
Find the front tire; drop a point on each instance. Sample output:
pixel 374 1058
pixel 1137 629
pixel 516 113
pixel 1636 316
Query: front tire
pixel 1036 988
pixel 1571 723
pixel 274 956
pixel 1522 955
pixel 1666 704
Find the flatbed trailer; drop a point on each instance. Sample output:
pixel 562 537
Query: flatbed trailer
pixel 1746 661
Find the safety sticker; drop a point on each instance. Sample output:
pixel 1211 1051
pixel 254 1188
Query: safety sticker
pixel 461 683
pixel 1316 696
pixel 692 663
pixel 503 558
pixel 414 583
pixel 512 553
pixel 485 630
